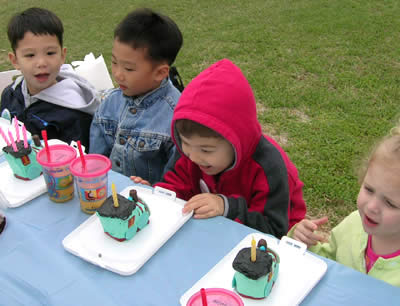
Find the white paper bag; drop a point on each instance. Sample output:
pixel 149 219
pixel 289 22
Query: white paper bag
pixel 95 71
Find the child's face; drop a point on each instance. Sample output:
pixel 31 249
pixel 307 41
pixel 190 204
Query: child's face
pixel 213 155
pixel 133 71
pixel 379 201
pixel 39 58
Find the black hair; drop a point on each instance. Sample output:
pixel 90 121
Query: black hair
pixel 39 21
pixel 158 34
pixel 188 128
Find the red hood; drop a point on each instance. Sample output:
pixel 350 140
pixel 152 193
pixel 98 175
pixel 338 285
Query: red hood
pixel 221 98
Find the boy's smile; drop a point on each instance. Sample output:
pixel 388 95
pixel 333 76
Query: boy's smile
pixel 39 58
pixel 212 154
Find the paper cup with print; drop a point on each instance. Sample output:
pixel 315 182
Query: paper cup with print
pixel 56 171
pixel 91 180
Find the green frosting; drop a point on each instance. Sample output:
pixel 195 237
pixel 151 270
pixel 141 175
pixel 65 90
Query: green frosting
pixel 257 288
pixel 126 227
pixel 25 165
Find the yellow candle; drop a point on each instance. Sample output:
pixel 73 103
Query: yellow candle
pixel 253 250
pixel 114 194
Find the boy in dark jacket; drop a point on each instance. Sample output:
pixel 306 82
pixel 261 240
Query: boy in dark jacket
pixel 227 167
pixel 48 96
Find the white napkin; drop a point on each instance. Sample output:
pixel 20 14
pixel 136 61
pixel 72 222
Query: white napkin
pixel 95 71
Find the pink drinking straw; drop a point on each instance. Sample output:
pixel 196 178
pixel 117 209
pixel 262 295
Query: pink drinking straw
pixel 5 137
pixel 24 135
pixel 12 141
pixel 81 154
pixel 203 297
pixel 16 128
pixel 46 145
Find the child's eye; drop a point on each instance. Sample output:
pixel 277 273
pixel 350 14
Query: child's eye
pixel 51 53
pixel 129 69
pixel 113 62
pixel 390 204
pixel 205 151
pixel 29 55
pixel 368 189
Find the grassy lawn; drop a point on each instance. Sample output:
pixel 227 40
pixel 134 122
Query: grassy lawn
pixel 326 74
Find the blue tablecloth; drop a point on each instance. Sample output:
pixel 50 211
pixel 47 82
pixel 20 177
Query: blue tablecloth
pixel 36 270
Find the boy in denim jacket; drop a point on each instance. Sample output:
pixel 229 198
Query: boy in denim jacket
pixel 48 95
pixel 132 125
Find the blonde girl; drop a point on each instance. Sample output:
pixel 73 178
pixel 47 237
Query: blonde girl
pixel 367 240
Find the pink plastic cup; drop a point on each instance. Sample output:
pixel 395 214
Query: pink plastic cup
pixel 214 297
pixel 56 171
pixel 91 180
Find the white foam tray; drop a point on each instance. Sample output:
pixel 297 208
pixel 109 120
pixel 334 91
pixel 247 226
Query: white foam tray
pixel 89 242
pixel 299 272
pixel 15 192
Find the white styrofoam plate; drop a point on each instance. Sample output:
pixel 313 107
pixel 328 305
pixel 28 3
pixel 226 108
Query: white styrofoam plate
pixel 89 241
pixel 14 192
pixel 299 272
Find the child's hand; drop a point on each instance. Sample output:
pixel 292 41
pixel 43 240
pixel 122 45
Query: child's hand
pixel 205 205
pixel 139 180
pixel 305 231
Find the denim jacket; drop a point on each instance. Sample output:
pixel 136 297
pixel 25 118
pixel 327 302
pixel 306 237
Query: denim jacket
pixel 135 132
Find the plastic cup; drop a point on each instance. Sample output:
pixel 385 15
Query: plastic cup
pixel 216 296
pixel 56 171
pixel 91 180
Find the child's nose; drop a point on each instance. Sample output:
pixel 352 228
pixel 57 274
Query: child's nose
pixel 118 75
pixel 194 157
pixel 373 205
pixel 41 62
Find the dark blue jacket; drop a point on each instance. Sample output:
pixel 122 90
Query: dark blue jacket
pixel 60 122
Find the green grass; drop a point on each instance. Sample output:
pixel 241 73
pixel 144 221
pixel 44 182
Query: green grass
pixel 326 74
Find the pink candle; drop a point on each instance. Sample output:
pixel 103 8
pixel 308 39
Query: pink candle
pixel 16 128
pixel 5 137
pixel 24 135
pixel 12 141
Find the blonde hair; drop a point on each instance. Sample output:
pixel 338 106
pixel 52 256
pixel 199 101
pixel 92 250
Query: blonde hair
pixel 387 150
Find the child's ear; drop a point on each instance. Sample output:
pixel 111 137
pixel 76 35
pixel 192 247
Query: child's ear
pixel 162 72
pixel 13 59
pixel 63 54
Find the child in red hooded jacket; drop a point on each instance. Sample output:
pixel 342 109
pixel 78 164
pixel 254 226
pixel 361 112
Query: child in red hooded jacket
pixel 225 166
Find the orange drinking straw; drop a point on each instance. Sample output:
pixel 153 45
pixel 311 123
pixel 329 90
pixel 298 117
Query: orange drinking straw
pixel 81 154
pixel 46 145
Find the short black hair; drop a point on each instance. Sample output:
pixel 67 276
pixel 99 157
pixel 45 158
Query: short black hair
pixel 39 21
pixel 188 128
pixel 159 34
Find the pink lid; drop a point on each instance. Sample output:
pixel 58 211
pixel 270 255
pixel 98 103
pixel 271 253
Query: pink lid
pixel 96 165
pixel 60 155
pixel 216 296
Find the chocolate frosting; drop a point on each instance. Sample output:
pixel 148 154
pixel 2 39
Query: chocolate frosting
pixel 253 270
pixel 21 150
pixel 36 140
pixel 123 211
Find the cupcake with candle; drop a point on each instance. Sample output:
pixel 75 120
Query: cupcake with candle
pixel 20 155
pixel 122 217
pixel 256 270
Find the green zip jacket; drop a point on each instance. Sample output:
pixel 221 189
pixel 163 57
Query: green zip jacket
pixel 347 245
